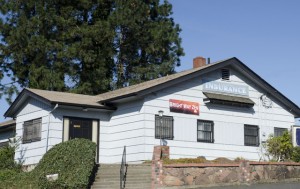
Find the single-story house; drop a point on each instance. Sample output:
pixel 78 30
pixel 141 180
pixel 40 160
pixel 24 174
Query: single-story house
pixel 221 109
pixel 7 131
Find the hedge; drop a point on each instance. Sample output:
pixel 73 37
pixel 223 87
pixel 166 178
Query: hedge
pixel 7 154
pixel 73 161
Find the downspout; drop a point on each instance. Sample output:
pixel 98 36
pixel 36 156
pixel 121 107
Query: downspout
pixel 47 140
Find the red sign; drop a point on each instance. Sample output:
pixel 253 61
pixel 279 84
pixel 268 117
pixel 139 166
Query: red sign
pixel 186 107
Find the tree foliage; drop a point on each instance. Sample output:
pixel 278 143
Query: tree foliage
pixel 86 46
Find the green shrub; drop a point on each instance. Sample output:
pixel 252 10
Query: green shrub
pixel 7 161
pixel 281 147
pixel 73 161
pixel 7 174
pixel 184 160
pixel 296 154
pixel 14 179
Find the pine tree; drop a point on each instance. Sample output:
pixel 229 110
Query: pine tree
pixel 58 45
pixel 147 41
pixel 87 46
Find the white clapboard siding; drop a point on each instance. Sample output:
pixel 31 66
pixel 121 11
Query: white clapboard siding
pixel 228 121
pixel 133 124
pixel 126 128
pixel 30 153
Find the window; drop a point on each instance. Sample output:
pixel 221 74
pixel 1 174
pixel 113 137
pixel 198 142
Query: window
pixel 164 127
pixel 279 131
pixel 225 74
pixel 251 133
pixel 32 130
pixel 205 131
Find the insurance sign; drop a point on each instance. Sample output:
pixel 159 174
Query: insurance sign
pixel 225 88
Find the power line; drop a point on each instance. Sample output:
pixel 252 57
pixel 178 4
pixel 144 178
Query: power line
pixel 8 83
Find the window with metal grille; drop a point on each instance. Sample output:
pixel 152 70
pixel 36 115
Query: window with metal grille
pixel 205 131
pixel 164 127
pixel 279 131
pixel 32 130
pixel 225 74
pixel 251 134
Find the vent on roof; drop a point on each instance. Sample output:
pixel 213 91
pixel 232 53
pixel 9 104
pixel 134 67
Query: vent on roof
pixel 225 74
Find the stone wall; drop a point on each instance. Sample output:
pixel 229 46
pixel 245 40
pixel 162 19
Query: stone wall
pixel 243 172
pixel 159 154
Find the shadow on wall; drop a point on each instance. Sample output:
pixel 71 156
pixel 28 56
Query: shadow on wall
pixel 21 158
pixel 230 108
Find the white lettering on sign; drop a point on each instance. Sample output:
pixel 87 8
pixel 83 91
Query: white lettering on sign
pixel 221 87
pixel 181 106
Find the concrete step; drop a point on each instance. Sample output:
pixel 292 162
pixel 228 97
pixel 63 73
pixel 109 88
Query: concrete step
pixel 129 173
pixel 131 180
pixel 137 177
pixel 141 186
pixel 105 171
pixel 128 177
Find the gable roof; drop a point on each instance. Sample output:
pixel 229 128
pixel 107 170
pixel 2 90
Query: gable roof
pixel 139 90
pixel 163 82
pixel 134 90
pixel 55 97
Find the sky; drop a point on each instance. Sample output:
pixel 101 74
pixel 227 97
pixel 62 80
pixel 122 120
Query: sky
pixel 263 34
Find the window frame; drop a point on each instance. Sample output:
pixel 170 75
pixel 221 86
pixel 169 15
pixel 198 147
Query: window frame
pixel 212 140
pixel 156 135
pixel 36 131
pixel 248 135
pixel 279 128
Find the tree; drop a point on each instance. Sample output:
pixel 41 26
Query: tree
pixel 86 46
pixel 46 43
pixel 147 44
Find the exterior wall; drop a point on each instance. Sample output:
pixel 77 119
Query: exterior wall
pixel 31 153
pixel 57 126
pixel 228 121
pixel 132 125
pixel 125 128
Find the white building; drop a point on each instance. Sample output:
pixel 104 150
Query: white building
pixel 222 109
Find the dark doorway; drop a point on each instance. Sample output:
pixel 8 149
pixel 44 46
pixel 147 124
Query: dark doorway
pixel 81 128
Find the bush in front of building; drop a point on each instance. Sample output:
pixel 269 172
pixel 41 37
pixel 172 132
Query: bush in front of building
pixel 280 148
pixel 296 154
pixel 7 154
pixel 73 161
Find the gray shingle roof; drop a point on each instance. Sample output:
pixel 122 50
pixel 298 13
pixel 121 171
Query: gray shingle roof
pixel 67 98
pixel 145 88
pixel 133 89
pixel 7 123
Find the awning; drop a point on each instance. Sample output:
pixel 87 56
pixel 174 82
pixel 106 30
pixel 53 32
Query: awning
pixel 228 100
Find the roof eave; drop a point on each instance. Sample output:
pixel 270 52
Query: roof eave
pixel 85 105
pixel 170 82
pixel 290 105
pixel 25 92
